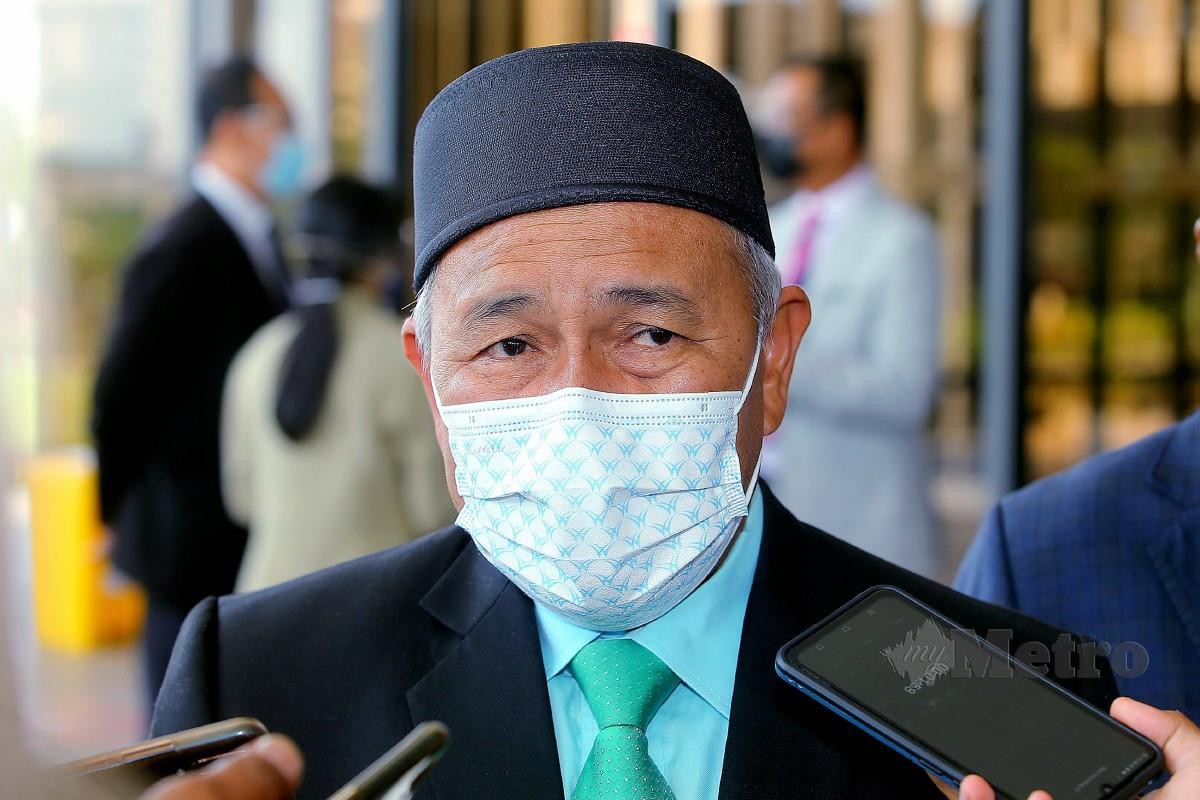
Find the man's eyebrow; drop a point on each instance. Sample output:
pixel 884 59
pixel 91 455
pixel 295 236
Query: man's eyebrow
pixel 499 306
pixel 665 297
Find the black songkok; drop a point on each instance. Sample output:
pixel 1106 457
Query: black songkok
pixel 582 123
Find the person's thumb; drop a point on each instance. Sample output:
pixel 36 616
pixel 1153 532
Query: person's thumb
pixel 1178 736
pixel 281 753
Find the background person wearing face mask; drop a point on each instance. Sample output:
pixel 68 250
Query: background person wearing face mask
pixel 328 450
pixel 851 455
pixel 199 284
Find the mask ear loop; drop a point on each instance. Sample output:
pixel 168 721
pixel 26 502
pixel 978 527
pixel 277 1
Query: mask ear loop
pixel 753 484
pixel 437 398
pixel 753 371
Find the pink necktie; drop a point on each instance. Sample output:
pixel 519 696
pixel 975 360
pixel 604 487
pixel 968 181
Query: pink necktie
pixel 797 267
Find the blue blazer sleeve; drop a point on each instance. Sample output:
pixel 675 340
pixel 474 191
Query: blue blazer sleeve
pixel 985 572
pixel 188 695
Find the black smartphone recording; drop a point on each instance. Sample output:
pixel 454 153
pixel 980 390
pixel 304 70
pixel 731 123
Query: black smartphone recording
pixel 956 704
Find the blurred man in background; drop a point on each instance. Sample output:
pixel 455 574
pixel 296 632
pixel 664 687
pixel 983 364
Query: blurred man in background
pixel 851 455
pixel 198 286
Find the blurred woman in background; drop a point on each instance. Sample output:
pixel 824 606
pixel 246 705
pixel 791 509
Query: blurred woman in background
pixel 328 450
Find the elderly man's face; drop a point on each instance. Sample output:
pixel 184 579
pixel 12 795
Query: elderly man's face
pixel 617 297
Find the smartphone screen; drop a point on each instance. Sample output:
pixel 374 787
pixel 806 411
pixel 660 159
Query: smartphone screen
pixel 964 703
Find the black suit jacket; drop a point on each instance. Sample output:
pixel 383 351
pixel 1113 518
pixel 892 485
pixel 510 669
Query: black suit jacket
pixel 190 299
pixel 347 660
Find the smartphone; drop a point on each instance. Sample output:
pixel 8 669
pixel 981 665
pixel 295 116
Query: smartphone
pixel 397 773
pixel 955 704
pixel 141 764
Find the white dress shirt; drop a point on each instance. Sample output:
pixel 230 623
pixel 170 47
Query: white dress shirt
pixel 249 217
pixel 852 454
pixel 831 203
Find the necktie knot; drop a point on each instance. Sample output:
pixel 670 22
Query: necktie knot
pixel 623 682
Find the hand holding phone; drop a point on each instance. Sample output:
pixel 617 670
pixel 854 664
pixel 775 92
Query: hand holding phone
pixel 1178 736
pixel 956 705
pixel 269 768
pixel 139 765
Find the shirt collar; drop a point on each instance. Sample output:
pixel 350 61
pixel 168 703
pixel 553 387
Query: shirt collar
pixel 835 198
pixel 698 639
pixel 249 217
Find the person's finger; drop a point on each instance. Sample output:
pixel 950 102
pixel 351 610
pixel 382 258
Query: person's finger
pixel 239 777
pixel 1178 737
pixel 1040 795
pixel 248 777
pixel 268 769
pixel 281 753
pixel 974 787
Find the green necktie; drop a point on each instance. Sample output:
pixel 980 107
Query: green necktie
pixel 624 683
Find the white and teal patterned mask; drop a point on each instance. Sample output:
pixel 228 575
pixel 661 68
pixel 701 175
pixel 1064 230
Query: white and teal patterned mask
pixel 607 508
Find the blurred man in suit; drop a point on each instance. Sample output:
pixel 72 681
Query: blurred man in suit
pixel 870 265
pixel 1110 548
pixel 197 287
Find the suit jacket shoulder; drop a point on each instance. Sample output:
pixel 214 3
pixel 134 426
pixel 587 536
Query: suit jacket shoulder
pixel 192 232
pixel 262 632
pixel 1108 548
pixel 326 658
pixel 1125 477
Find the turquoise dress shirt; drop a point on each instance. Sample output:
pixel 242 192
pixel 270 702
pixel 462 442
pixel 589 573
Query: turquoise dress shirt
pixel 699 640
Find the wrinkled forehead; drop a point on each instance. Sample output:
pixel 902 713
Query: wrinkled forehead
pixel 591 246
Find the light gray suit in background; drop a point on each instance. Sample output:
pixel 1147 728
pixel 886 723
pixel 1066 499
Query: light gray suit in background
pixel 852 455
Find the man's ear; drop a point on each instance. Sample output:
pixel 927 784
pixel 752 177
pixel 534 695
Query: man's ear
pixel 415 357
pixel 779 353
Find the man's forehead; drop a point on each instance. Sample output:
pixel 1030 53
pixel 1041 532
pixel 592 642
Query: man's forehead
pixel 601 245
pixel 267 94
pixel 596 228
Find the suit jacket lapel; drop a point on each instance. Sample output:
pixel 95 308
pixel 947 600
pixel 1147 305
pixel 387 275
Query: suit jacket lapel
pixel 1175 551
pixel 489 688
pixel 773 748
pixel 239 268
pixel 1175 555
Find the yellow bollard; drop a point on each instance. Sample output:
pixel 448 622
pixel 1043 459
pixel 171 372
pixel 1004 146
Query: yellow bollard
pixel 79 605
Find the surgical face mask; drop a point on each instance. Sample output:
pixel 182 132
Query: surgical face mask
pixel 606 508
pixel 778 155
pixel 280 176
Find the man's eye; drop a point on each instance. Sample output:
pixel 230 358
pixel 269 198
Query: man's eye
pixel 508 348
pixel 654 336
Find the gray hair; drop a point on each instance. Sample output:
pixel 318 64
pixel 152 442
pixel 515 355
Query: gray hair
pixel 762 281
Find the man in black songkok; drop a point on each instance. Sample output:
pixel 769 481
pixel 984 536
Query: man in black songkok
pixel 589 218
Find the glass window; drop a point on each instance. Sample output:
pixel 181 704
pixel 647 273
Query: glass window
pixel 115 123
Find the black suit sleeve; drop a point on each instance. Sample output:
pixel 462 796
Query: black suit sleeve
pixel 144 364
pixel 189 693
